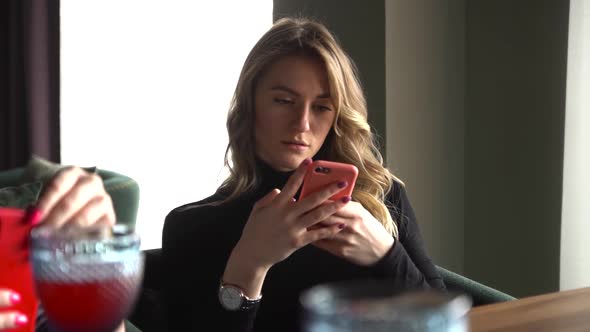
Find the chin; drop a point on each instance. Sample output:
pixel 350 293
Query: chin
pixel 285 161
pixel 289 164
pixel 287 167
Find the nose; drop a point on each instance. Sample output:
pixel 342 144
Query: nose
pixel 301 117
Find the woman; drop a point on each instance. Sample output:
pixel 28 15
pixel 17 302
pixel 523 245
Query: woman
pixel 240 258
pixel 72 197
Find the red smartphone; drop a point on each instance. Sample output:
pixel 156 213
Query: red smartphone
pixel 321 173
pixel 15 268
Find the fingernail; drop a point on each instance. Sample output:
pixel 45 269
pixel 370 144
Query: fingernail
pixel 293 199
pixel 33 215
pixel 341 226
pixel 14 298
pixel 306 161
pixel 342 184
pixel 345 199
pixel 21 320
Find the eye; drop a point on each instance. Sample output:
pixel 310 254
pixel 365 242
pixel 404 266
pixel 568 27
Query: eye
pixel 283 101
pixel 323 108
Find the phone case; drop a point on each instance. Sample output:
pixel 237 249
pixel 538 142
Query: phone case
pixel 321 173
pixel 16 271
pixel 13 234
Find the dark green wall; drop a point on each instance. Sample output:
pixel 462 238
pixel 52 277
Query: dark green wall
pixel 360 27
pixel 516 54
pixel 515 78
pixel 425 96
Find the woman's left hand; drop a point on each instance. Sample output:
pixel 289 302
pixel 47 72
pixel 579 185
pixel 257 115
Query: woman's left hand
pixel 363 241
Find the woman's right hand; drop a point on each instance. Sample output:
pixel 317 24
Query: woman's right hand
pixel 10 319
pixel 277 227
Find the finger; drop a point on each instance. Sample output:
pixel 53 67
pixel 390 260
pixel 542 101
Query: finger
pixel 331 220
pixel 61 183
pixel 121 328
pixel 99 209
pixel 321 233
pixel 11 319
pixel 8 298
pixel 294 182
pixel 105 220
pixel 337 240
pixel 320 213
pixel 83 191
pixel 317 198
pixel 349 211
pixel 267 199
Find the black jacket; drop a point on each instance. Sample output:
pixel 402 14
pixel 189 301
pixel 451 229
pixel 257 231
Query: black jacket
pixel 197 241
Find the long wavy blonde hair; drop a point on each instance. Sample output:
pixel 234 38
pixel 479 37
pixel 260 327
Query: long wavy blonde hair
pixel 350 140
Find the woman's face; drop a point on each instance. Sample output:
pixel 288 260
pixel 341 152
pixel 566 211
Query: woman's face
pixel 293 111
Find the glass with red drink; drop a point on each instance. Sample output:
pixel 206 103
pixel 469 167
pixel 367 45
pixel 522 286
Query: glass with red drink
pixel 87 279
pixel 15 270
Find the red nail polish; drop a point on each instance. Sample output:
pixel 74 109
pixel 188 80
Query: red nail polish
pixel 14 298
pixel 342 184
pixel 33 215
pixel 341 226
pixel 345 199
pixel 306 161
pixel 21 320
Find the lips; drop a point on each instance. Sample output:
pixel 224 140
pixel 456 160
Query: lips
pixel 298 143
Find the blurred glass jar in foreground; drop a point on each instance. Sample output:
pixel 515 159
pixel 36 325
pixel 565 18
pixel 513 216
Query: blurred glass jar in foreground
pixel 372 306
pixel 87 279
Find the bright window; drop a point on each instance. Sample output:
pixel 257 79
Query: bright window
pixel 575 214
pixel 145 89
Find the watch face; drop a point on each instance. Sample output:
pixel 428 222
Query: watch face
pixel 230 297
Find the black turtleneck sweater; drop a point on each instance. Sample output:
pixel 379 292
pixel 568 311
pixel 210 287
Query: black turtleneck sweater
pixel 197 242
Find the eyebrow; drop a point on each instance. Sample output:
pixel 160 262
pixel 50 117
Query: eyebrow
pixel 293 92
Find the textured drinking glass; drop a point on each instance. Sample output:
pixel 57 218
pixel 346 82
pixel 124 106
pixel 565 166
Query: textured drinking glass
pixel 373 306
pixel 87 279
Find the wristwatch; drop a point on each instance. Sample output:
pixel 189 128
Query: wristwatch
pixel 233 298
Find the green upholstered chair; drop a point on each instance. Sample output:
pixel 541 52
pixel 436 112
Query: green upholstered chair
pixel 148 314
pixel 124 191
pixel 480 294
pixel 129 327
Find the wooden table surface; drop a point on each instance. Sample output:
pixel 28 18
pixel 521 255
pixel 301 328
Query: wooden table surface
pixel 561 311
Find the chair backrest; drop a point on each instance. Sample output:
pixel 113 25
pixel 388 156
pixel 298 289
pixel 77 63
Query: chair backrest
pixel 124 191
pixel 480 294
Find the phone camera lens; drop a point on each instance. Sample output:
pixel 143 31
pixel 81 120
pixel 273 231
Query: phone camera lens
pixel 323 170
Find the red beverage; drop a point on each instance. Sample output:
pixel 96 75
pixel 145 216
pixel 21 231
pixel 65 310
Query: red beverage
pixel 97 306
pixel 86 279
pixel 15 269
